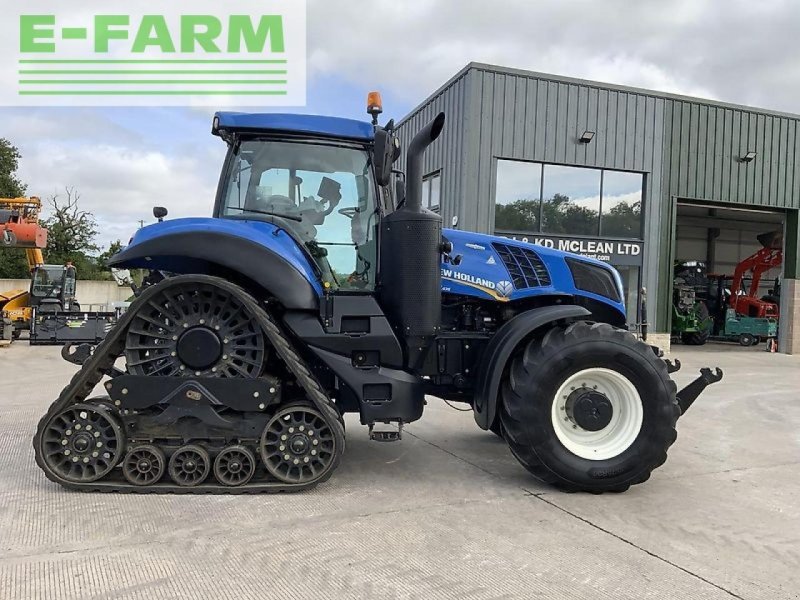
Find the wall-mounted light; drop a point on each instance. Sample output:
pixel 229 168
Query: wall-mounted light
pixel 749 157
pixel 586 137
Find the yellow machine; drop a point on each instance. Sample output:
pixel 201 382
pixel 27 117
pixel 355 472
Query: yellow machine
pixel 20 228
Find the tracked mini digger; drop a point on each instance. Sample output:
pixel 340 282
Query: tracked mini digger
pixel 319 288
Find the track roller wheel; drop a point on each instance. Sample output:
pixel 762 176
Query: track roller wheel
pixel 82 443
pixel 298 446
pixel 189 465
pixel 144 464
pixel 235 465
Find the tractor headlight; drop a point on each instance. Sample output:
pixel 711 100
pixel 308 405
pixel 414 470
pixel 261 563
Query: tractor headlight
pixel 596 279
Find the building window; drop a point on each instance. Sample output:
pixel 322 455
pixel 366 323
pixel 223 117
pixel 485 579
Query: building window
pixel 571 200
pixel 432 190
pixel 555 199
pixel 517 195
pixel 622 205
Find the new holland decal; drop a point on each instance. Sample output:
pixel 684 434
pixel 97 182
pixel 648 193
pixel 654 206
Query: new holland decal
pixel 499 291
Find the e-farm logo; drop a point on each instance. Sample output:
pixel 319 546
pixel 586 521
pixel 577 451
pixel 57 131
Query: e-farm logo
pixel 182 52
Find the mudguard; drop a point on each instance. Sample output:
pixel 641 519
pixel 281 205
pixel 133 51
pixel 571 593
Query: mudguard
pixel 261 252
pixel 500 348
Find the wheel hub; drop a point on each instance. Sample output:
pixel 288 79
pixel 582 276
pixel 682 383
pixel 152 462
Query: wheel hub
pixel 199 348
pixel 299 444
pixel 82 442
pixel 589 409
pixel 143 466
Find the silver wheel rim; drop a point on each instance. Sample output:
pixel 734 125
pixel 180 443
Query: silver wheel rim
pixel 621 431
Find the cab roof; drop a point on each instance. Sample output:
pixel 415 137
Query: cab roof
pixel 316 125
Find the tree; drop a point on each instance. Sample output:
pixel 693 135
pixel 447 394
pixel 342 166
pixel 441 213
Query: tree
pixel 104 257
pixel 623 220
pixel 520 215
pixel 13 263
pixel 559 215
pixel 71 235
pixel 10 185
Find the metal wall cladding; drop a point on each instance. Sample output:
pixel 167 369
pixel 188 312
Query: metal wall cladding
pixel 704 143
pixel 687 148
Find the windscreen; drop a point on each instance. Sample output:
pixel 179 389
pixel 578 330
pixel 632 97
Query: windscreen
pixel 323 193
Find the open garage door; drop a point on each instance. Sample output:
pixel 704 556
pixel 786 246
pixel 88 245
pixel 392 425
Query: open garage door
pixel 710 243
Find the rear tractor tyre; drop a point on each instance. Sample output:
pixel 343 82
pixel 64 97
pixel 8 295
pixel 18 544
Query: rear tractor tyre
pixel 589 408
pixel 497 428
pixel 698 338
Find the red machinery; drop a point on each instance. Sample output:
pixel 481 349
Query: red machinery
pixel 19 223
pixel 747 303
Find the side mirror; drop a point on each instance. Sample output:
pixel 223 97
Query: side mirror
pixel 159 212
pixel 383 155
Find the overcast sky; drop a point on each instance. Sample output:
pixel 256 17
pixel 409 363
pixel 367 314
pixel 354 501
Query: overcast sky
pixel 125 160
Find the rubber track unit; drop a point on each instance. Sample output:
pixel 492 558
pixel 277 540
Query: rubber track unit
pixel 102 361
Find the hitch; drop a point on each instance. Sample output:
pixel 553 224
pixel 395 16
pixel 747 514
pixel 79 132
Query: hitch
pixel 82 353
pixel 79 356
pixel 689 394
pixel 673 367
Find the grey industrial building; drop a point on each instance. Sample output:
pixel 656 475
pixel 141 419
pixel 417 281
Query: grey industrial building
pixel 634 177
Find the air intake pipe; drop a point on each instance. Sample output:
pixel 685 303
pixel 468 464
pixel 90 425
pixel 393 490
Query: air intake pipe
pixel 416 150
pixel 410 287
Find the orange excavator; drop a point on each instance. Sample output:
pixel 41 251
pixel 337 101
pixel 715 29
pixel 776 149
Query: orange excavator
pixel 20 228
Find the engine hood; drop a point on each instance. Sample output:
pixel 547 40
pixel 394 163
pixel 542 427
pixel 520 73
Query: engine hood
pixel 505 270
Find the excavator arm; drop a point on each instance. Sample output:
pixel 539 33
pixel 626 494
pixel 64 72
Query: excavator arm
pixel 768 257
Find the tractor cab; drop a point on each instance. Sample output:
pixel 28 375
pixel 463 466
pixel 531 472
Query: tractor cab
pixel 318 178
pixel 53 288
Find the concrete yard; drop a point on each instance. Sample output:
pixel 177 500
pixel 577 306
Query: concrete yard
pixel 446 513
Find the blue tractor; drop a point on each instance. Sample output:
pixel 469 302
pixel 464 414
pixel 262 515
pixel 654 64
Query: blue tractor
pixel 319 288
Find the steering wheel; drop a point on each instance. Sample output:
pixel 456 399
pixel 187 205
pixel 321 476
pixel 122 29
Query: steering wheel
pixel 350 212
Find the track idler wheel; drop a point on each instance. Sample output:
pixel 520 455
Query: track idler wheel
pixel 235 465
pixel 297 445
pixel 144 465
pixel 82 443
pixel 189 465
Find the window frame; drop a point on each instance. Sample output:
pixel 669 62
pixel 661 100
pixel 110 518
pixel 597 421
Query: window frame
pixel 426 198
pixel 540 230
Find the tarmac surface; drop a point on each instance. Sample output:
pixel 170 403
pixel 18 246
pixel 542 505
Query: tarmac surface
pixel 445 513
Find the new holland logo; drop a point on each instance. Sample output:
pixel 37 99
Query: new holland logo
pixel 504 288
pixel 466 278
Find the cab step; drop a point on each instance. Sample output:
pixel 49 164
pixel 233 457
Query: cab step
pixel 386 435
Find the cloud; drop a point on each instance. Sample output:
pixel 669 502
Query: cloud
pixel 120 185
pixel 123 161
pixel 737 51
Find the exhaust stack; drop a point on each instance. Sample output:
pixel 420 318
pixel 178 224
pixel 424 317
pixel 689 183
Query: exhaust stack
pixel 410 287
pixel 416 150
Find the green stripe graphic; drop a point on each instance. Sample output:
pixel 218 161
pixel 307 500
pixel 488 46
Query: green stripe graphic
pixel 151 93
pixel 151 61
pixel 149 72
pixel 151 81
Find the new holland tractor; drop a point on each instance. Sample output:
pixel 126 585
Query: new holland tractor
pixel 318 288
